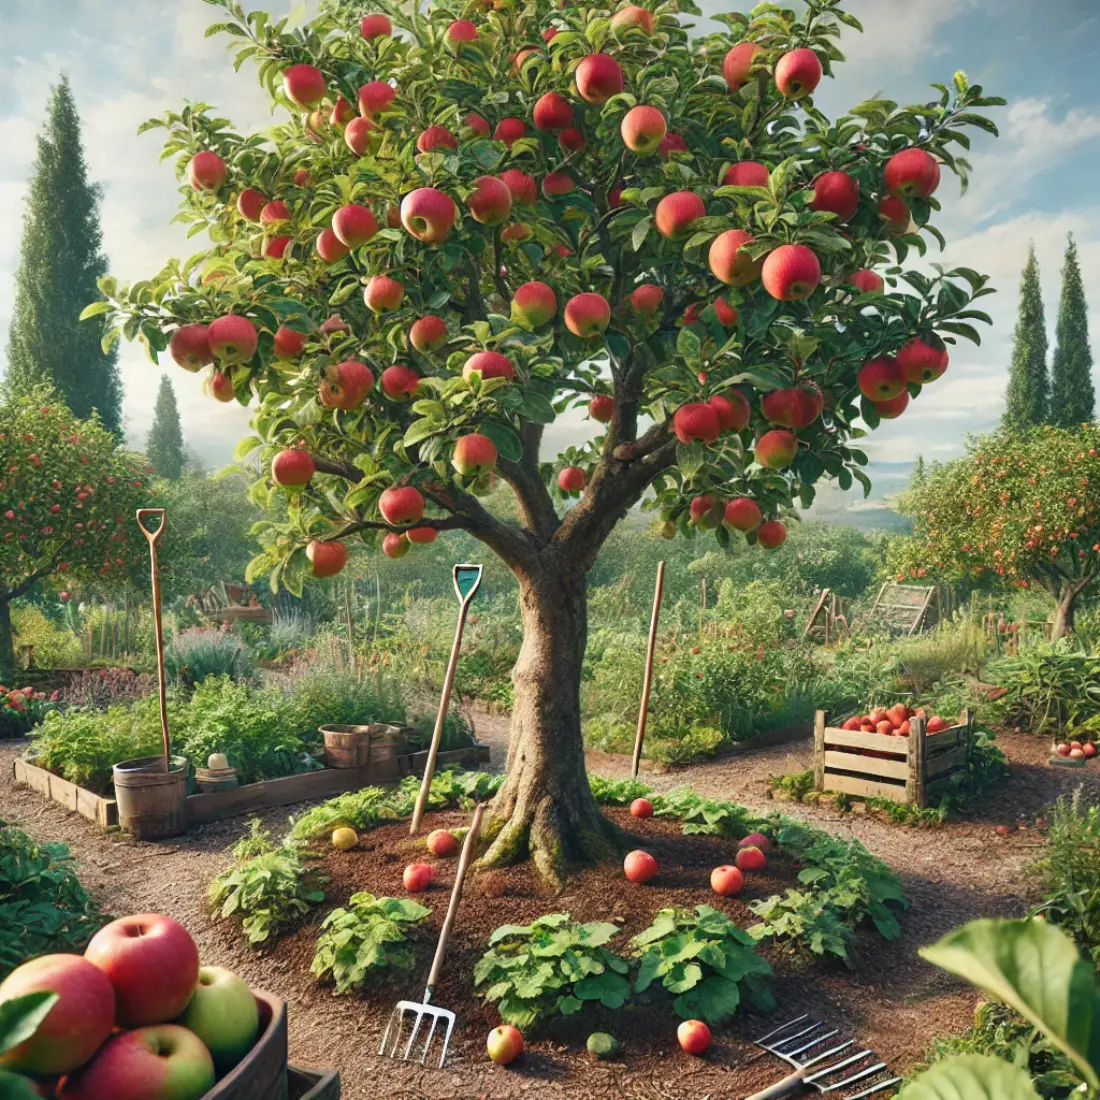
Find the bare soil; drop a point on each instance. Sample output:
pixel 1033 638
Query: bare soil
pixel 890 1000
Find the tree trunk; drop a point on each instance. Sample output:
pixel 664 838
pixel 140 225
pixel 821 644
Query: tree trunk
pixel 545 810
pixel 7 642
pixel 1064 611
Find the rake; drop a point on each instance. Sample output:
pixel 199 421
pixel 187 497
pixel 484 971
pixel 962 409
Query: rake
pixel 822 1064
pixel 420 1013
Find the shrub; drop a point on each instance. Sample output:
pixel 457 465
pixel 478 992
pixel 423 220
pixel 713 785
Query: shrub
pixel 806 921
pixel 200 651
pixel 327 694
pixel 1049 686
pixel 54 646
pixel 367 940
pixel 552 966
pixel 952 647
pixel 100 687
pixel 21 709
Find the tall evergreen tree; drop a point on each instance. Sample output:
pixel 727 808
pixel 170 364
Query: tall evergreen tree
pixel 60 261
pixel 1072 397
pixel 164 447
pixel 1028 396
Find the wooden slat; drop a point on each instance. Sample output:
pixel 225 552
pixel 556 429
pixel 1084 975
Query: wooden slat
pixel 848 761
pixel 949 761
pixel 814 614
pixel 936 742
pixel 103 811
pixel 863 788
pixel 947 777
pixel 879 741
pixel 819 751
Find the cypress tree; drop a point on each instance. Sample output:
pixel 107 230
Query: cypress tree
pixel 1028 394
pixel 164 448
pixel 60 261
pixel 1072 398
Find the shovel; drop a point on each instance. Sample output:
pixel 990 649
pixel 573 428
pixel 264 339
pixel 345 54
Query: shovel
pixel 418 1013
pixel 153 538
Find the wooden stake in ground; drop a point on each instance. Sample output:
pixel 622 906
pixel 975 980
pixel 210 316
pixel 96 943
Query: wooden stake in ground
pixel 467 580
pixel 153 538
pixel 647 683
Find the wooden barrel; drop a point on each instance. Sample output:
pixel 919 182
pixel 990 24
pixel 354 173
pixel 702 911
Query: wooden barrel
pixel 346 746
pixel 262 1073
pixel 152 804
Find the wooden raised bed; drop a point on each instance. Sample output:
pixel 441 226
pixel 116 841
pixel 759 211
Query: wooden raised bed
pixel 204 808
pixel 908 770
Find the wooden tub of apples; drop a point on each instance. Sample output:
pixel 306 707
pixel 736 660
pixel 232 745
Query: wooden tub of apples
pixel 1073 754
pixel 136 1016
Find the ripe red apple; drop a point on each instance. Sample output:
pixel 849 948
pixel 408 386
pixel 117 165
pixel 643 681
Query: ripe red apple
pixel 504 1045
pixel 881 379
pixel 354 225
pixel 534 304
pixel 326 558
pixel 417 876
pixel 706 512
pixel 639 866
pixel 304 85
pixel 521 185
pixel 435 137
pixel 1074 754
pixel 756 840
pixel 428 214
pixel 513 234
pixel 732 408
pixel 250 203
pixel 551 113
pixel 632 16
pixel 936 724
pixel 743 514
pixel 587 315
pixel 730 265
pixel 421 536
pixel 428 333
pixel 571 480
pixel 206 171
pixel 696 422
pixel 233 339
pixel 357 135
pixel 726 881
pixel 330 248
pixel 442 843
pixel 342 112
pixel 490 364
pixel 477 125
pixel 77 1024
pixel 737 64
pixel 672 143
pixel 401 505
pixel 302 178
pixel 399 383
pixel 641 807
pixel 602 407
pixel 190 347
pixel 647 299
pixel 795 407
pixel 219 386
pixel 289 343
pixel 751 859
pixel 375 96
pixel 1063 749
pixel 375 26
pixel 771 535
pixel 572 140
pixel 598 77
pixel 556 184
pixel 912 174
pixel 275 248
pixel 678 212
pixel 895 213
pixel 892 409
pixel 474 454
pixel 866 281
pixel 345 385
pixel 798 73
pixel 131 949
pixel 394 545
pixel 490 202
pixel 293 466
pixel 836 193
pixel 461 31
pixel 791 272
pixel 923 359
pixel 1004 830
pixel 643 129
pixel 383 294
pixel 520 57
pixel 693 1036
pixel 167 1062
pixel 776 449
pixel 509 131
pixel 747 173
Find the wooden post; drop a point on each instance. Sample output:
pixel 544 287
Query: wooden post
pixel 967 720
pixel 647 682
pixel 819 751
pixel 914 787
pixel 814 614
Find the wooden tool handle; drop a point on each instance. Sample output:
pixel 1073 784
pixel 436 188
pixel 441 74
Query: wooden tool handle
pixel 456 897
pixel 790 1084
pixel 647 682
pixel 152 536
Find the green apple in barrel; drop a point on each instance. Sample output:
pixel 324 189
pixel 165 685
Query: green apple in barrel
pixel 223 1013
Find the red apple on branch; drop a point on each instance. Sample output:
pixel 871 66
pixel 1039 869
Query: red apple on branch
pixel 598 78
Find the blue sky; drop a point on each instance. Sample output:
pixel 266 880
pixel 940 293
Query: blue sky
pixel 128 62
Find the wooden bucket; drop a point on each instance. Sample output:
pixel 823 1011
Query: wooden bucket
pixel 346 746
pixel 262 1073
pixel 152 804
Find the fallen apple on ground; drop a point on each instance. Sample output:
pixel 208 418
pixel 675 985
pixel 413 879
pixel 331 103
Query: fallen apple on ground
pixel 641 807
pixel 442 843
pixel 640 866
pixel 727 881
pixel 417 877
pixel 751 859
pixel 693 1036
pixel 505 1044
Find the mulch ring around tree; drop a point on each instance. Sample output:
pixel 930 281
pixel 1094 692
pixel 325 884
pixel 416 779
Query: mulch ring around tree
pixel 891 1000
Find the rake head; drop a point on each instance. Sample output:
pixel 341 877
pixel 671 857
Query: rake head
pixel 412 1029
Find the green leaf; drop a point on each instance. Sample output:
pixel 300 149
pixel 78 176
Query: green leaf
pixel 20 1017
pixel 537 409
pixel 690 458
pixel 94 310
pixel 14 1087
pixel 641 231
pixel 507 442
pixel 688 344
pixel 1035 969
pixel 971 1077
pixel 246 446
pixel 418 430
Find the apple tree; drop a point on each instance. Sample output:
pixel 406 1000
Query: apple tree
pixel 1019 506
pixel 472 218
pixel 69 497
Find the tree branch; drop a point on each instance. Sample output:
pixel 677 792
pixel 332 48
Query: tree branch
pixel 25 585
pixel 536 505
pixel 341 469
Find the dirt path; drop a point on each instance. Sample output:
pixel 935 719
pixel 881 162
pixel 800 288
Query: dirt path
pixel 952 874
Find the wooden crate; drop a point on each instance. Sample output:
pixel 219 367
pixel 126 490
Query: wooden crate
pixel 313 1084
pixel 908 770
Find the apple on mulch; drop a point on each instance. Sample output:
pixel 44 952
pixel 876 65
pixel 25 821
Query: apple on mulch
pixel 693 1036
pixel 641 807
pixel 504 1044
pixel 640 866
pixel 756 840
pixel 751 859
pixel 417 877
pixel 442 843
pixel 726 881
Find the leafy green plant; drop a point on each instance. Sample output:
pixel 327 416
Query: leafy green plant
pixel 43 906
pixel 794 786
pixel 616 792
pixel 705 816
pixel 367 939
pixel 553 966
pixel 194 654
pixel 804 920
pixel 1048 686
pixel 20 1018
pixel 21 709
pixel 705 961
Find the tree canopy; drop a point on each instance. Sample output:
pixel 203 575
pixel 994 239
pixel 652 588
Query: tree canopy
pixel 164 445
pixel 1028 399
pixel 1072 395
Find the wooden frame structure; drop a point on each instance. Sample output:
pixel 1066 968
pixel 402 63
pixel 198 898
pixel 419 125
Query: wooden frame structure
pixel 907 770
pixel 908 608
pixel 828 621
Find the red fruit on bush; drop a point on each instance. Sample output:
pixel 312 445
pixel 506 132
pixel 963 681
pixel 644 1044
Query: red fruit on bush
pixel 639 866
pixel 696 422
pixel 726 881
pixel 601 407
pixel 442 843
pixel 751 859
pixel 641 807
pixel 326 558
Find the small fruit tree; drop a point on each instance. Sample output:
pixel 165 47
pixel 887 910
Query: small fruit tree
pixel 69 498
pixel 478 216
pixel 1020 506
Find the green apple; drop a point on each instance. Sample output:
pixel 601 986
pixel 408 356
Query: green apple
pixel 223 1013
